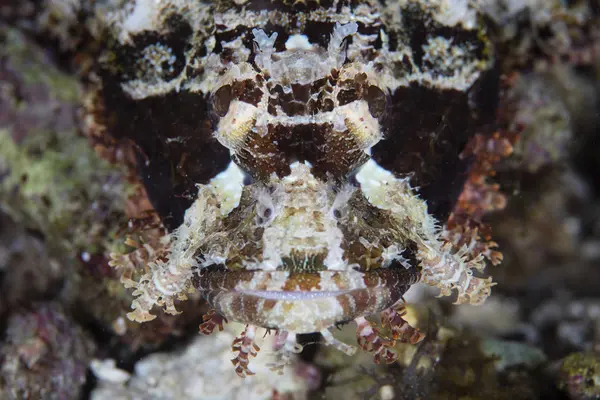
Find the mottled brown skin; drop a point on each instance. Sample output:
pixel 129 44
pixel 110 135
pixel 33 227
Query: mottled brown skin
pixel 332 154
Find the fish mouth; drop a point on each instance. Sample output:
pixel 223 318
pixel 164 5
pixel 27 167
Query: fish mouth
pixel 293 295
pixel 302 302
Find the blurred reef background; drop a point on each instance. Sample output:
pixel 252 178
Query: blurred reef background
pixel 68 200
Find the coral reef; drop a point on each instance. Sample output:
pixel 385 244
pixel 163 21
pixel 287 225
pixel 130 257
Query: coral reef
pixel 51 179
pixel 44 355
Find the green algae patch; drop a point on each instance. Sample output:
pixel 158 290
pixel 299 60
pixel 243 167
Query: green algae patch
pixel 580 376
pixel 56 184
pixel 51 179
pixel 32 65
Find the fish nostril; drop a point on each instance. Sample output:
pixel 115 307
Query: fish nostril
pixel 248 180
pixel 222 100
pixel 377 101
pixel 267 213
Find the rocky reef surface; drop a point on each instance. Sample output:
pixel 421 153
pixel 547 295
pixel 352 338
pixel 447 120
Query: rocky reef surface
pixel 72 197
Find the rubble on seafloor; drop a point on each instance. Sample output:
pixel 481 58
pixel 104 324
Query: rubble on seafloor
pixel 67 201
pixel 202 370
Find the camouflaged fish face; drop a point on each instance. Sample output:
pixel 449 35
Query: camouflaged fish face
pixel 304 154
